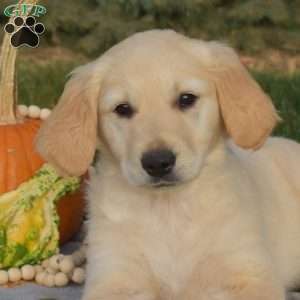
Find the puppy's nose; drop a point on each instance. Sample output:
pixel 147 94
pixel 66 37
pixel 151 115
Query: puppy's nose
pixel 158 163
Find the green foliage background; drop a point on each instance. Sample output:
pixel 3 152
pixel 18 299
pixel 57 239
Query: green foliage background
pixel 91 26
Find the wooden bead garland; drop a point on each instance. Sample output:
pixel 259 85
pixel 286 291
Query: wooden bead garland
pixel 57 271
pixel 34 112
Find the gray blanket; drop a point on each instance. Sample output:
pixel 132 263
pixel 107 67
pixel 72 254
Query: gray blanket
pixel 31 291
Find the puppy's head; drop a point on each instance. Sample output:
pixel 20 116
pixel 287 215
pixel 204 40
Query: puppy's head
pixel 158 102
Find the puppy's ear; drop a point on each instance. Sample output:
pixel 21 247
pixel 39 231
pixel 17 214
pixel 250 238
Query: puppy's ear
pixel 67 139
pixel 248 113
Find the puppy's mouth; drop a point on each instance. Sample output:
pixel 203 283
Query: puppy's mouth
pixel 166 181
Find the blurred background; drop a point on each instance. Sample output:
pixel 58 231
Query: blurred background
pixel 266 34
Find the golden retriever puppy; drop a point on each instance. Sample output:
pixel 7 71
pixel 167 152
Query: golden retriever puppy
pixel 189 200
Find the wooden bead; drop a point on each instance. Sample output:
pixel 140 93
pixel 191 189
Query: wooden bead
pixel 61 279
pixel 14 274
pixel 40 277
pixel 38 269
pixel 34 111
pixel 49 280
pixel 67 264
pixel 49 270
pixel 78 275
pixel 45 113
pixel 54 261
pixel 23 110
pixel 3 277
pixel 28 272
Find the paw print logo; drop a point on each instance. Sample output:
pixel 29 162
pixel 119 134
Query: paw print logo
pixel 24 31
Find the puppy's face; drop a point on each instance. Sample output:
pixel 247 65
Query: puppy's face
pixel 159 117
pixel 157 102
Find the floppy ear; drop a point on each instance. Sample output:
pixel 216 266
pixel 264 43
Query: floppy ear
pixel 248 113
pixel 67 139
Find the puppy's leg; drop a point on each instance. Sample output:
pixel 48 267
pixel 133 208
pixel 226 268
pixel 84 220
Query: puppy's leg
pixel 117 270
pixel 223 282
pixel 129 279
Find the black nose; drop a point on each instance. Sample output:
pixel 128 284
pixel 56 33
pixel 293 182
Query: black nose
pixel 158 163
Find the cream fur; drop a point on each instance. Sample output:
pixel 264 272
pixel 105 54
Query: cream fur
pixel 230 228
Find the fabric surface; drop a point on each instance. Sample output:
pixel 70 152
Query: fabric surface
pixel 31 291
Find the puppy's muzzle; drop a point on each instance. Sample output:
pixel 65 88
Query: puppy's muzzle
pixel 158 163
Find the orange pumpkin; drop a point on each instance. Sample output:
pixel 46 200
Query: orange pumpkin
pixel 18 158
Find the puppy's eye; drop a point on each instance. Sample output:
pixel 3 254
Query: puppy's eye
pixel 124 110
pixel 186 100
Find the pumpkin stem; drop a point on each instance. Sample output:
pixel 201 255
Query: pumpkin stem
pixel 8 84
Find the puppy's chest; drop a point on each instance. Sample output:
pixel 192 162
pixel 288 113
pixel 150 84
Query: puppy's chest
pixel 174 241
pixel 174 235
